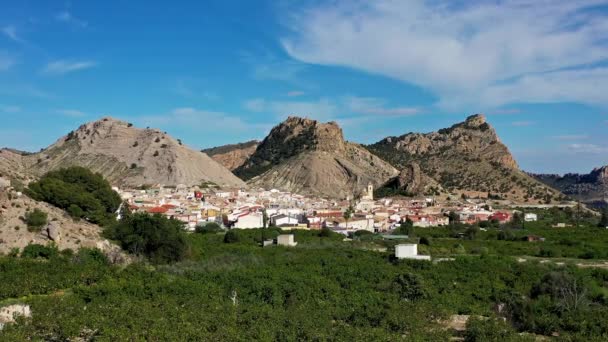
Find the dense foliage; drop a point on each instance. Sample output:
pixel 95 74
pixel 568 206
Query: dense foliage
pixel 80 192
pixel 156 237
pixel 324 289
pixel 35 219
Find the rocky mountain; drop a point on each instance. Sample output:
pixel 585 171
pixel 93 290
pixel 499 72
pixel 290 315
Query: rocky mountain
pixel 125 155
pixel 306 156
pixel 411 181
pixel 466 158
pixel 234 155
pixel 590 188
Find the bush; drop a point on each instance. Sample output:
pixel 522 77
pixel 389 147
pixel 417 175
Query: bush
pixel 39 251
pixel 211 227
pixel 231 236
pixel 361 233
pixel 91 255
pixel 79 191
pixel 326 232
pixel 425 241
pixel 160 239
pixel 35 220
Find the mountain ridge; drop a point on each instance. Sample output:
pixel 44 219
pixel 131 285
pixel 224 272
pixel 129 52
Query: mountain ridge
pixel 125 155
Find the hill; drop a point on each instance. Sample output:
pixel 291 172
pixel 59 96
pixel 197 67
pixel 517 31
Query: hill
pixel 123 154
pixel 306 156
pixel 234 155
pixel 466 158
pixel 590 188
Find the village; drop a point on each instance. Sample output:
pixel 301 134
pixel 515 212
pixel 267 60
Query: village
pixel 257 208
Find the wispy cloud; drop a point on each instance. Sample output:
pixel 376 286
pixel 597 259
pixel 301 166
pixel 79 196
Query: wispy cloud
pixel 570 137
pixel 522 123
pixel 72 113
pixel 10 31
pixel 376 106
pixel 505 111
pixel 62 67
pixel 588 148
pixel 6 61
pixel 191 88
pixel 482 53
pixel 295 93
pixel 323 109
pixel 67 17
pixel 10 109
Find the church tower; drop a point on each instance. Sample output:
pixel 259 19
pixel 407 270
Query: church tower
pixel 370 191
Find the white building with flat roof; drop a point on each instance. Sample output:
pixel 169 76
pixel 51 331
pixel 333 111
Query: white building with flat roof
pixel 409 251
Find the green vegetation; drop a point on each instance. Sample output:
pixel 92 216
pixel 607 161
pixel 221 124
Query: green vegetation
pixel 35 220
pixel 208 228
pixel 156 237
pixel 324 289
pixel 80 192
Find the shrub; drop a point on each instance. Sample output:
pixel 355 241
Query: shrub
pixel 211 227
pixel 425 241
pixel 35 220
pixel 34 251
pixel 326 232
pixel 231 236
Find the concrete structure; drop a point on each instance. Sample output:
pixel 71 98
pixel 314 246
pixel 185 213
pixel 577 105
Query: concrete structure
pixel 286 240
pixel 284 220
pixel 409 251
pixel 530 217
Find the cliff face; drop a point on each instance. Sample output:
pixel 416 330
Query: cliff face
pixel 467 157
pixel 234 155
pixel 306 156
pixel 126 155
pixel 589 188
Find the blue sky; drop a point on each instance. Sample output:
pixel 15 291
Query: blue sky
pixel 216 72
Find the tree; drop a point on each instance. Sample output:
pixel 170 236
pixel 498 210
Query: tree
pixel 453 216
pixel 406 228
pixel 604 219
pixel 471 232
pixel 160 239
pixel 35 220
pixel 348 214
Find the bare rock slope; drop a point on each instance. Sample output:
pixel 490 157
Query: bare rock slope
pixel 126 155
pixel 306 156
pixel 234 155
pixel 465 158
pixel 61 229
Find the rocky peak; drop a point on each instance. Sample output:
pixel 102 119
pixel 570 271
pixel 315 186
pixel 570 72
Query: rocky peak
pixel 309 134
pixel 475 121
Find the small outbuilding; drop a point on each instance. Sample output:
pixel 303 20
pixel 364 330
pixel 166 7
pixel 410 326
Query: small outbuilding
pixel 409 251
pixel 286 240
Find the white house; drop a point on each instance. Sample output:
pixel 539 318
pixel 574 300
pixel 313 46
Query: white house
pixel 283 220
pixel 409 251
pixel 249 220
pixel 530 217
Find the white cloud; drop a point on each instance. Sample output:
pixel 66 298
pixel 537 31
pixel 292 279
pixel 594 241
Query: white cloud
pixel 61 67
pixel 67 17
pixel 588 148
pixel 11 32
pixel 376 106
pixel 470 53
pixel 72 112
